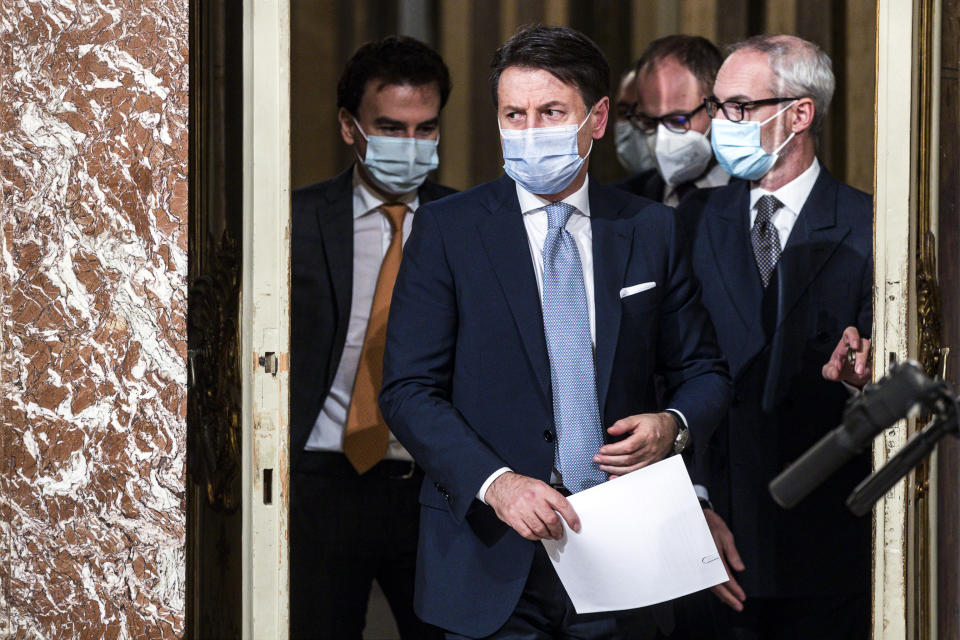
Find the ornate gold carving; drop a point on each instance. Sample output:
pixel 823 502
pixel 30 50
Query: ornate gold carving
pixel 930 335
pixel 215 390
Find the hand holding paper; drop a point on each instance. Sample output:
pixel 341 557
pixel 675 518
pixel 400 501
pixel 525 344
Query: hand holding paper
pixel 643 540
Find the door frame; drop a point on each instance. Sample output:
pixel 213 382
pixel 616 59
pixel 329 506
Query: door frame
pixel 265 311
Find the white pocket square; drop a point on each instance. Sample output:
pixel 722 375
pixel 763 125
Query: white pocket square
pixel 637 288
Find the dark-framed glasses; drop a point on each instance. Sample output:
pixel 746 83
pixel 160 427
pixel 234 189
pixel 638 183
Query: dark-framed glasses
pixel 735 111
pixel 676 122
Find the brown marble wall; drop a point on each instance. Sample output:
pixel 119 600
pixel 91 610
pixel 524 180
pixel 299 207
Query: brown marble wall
pixel 93 262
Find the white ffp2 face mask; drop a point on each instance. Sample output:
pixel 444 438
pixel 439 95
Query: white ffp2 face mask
pixel 543 160
pixel 399 165
pixel 681 157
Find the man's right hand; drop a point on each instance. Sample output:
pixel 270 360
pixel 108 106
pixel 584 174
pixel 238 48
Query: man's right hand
pixel 730 591
pixel 530 506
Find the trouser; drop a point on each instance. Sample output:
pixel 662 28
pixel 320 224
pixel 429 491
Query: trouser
pixel 347 530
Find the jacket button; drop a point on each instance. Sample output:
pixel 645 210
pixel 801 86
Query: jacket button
pixel 548 435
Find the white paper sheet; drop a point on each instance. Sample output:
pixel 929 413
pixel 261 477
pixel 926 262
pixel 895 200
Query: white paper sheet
pixel 643 540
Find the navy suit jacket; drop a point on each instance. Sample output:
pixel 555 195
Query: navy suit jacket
pixel 320 294
pixel 467 378
pixel 776 342
pixel 646 184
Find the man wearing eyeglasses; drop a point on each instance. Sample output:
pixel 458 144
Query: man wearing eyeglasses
pixel 784 255
pixel 673 76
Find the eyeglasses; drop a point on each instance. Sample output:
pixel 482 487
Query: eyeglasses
pixel 734 111
pixel 676 122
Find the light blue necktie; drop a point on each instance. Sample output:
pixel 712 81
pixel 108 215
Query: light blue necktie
pixel 566 324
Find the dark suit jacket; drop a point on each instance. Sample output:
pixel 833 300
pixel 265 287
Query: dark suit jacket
pixel 321 290
pixel 776 346
pixel 646 184
pixel 467 378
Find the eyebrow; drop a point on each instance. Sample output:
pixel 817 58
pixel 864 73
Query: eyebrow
pixel 546 105
pixel 383 121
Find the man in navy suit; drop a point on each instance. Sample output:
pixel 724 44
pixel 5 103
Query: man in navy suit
pixel 353 501
pixel 784 255
pixel 673 76
pixel 528 320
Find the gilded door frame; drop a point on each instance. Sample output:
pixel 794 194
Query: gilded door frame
pixel 906 312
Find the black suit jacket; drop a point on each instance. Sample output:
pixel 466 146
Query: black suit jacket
pixel 466 384
pixel 321 290
pixel 776 342
pixel 646 184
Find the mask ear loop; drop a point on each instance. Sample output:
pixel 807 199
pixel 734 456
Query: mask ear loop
pixel 365 139
pixel 790 104
pixel 777 151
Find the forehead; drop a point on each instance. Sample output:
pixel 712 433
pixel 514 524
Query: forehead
pixel 381 99
pixel 745 74
pixel 628 88
pixel 524 86
pixel 670 84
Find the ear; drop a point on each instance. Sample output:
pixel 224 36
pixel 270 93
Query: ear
pixel 348 129
pixel 803 112
pixel 601 114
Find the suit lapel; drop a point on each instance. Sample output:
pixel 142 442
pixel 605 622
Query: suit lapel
pixel 335 217
pixel 504 238
pixel 814 238
pixel 729 230
pixel 611 254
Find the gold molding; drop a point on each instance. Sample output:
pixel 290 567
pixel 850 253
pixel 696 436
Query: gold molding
pixel 929 331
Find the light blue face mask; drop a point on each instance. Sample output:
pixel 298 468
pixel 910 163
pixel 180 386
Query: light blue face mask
pixel 399 165
pixel 543 160
pixel 738 150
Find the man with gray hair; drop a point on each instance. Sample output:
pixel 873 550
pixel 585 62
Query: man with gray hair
pixel 784 255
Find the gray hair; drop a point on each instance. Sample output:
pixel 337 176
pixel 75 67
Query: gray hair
pixel 800 68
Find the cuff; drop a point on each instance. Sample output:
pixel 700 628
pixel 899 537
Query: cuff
pixel 679 414
pixel 486 485
pixel 701 491
pixel 852 390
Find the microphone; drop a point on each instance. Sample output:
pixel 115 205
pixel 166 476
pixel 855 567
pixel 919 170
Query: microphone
pixel 899 394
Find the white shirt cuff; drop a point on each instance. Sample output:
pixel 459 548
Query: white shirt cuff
pixel 486 485
pixel 701 491
pixel 852 390
pixel 682 417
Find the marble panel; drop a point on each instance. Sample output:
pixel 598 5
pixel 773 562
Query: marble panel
pixel 93 265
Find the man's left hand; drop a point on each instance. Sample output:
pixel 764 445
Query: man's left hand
pixel 650 440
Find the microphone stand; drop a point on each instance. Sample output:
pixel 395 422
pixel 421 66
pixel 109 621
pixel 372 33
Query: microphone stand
pixel 944 421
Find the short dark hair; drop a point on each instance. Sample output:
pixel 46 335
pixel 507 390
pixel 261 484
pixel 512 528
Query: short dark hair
pixel 567 54
pixel 697 54
pixel 398 60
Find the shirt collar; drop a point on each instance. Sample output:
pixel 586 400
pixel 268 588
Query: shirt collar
pixel 714 177
pixel 794 194
pixel 580 199
pixel 367 200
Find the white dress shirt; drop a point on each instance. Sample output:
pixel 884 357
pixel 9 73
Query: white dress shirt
pixel 578 225
pixel 715 177
pixel 371 239
pixel 793 195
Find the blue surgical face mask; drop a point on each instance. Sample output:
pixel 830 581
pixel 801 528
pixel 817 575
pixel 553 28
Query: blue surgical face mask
pixel 398 165
pixel 633 148
pixel 738 150
pixel 543 160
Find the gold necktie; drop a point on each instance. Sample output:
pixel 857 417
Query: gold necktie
pixel 366 434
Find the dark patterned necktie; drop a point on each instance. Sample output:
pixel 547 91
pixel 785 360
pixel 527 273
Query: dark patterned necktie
pixel 764 237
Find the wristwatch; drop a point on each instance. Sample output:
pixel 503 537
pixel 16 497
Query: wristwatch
pixel 683 434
